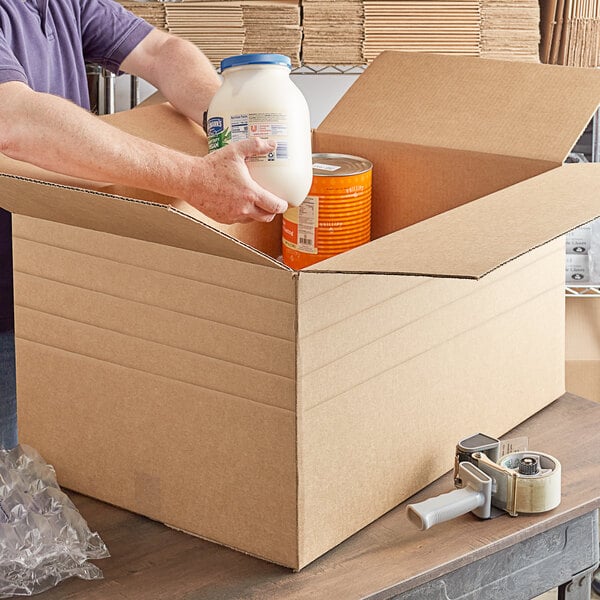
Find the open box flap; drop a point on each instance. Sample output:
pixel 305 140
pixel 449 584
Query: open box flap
pixel 159 122
pixel 137 219
pixel 500 107
pixel 478 237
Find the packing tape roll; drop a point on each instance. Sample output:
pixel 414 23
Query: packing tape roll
pixel 538 492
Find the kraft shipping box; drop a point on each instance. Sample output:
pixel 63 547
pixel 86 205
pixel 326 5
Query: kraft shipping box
pixel 172 366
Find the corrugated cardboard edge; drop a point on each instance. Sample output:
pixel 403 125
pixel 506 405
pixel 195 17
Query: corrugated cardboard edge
pixel 476 238
pixel 264 259
pixel 295 568
pixel 467 103
pixel 270 259
pixel 299 430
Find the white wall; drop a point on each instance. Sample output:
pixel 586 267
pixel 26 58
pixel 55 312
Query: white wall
pixel 322 92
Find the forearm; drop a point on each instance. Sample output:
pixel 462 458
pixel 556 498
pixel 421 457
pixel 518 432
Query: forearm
pixel 57 135
pixel 178 69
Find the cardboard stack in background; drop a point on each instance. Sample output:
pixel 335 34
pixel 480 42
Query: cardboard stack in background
pixel 570 32
pixel 273 26
pixel 351 32
pixel 333 32
pixel 229 27
pixel 153 12
pixel 510 29
pixel 217 28
pixel 451 27
pixel 173 367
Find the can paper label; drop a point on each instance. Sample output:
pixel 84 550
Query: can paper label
pixel 300 225
pixel 266 125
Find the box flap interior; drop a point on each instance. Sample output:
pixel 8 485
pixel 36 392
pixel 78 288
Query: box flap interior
pixel 478 237
pixel 413 184
pixel 125 217
pixel 465 103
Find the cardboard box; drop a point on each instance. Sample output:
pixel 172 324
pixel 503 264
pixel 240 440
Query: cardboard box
pixel 583 346
pixel 173 367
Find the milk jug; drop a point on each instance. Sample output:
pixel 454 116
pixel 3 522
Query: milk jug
pixel 258 99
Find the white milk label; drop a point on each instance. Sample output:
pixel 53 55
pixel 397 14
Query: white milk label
pixel 267 125
pixel 218 135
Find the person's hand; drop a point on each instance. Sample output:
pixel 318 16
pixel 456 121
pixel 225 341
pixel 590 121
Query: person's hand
pixel 224 190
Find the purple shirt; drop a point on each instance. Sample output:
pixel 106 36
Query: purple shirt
pixel 45 44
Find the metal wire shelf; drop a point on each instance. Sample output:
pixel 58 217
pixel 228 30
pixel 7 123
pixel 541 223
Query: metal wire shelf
pixel 582 291
pixel 101 82
pixel 328 69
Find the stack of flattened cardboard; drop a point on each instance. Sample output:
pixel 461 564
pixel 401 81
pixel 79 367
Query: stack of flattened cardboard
pixel 570 32
pixel 273 26
pixel 447 26
pixel 333 32
pixel 510 29
pixel 354 32
pixel 215 27
pixel 153 12
pixel 227 28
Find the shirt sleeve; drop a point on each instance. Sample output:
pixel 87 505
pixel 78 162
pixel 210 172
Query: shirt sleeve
pixel 110 32
pixel 10 68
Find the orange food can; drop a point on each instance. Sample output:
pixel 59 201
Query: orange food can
pixel 336 215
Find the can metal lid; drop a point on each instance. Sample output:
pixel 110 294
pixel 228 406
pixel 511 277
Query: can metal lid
pixel 256 59
pixel 339 165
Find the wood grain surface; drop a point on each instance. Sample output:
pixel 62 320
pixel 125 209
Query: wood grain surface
pixel 152 562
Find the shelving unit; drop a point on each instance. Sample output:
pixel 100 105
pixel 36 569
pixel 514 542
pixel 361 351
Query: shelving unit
pixel 582 291
pixel 102 83
pixel 589 146
pixel 329 70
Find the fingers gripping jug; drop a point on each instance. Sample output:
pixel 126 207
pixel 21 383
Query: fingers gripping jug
pixel 258 99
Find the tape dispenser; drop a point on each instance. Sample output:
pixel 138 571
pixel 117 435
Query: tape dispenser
pixel 491 481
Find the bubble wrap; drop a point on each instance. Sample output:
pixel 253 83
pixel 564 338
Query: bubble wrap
pixel 43 538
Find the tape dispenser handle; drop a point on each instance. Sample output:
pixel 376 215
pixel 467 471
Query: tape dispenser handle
pixel 474 495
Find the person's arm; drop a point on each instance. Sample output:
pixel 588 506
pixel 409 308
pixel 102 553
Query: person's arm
pixel 57 135
pixel 178 69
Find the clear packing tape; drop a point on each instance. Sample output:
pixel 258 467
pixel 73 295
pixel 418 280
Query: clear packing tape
pixel 43 537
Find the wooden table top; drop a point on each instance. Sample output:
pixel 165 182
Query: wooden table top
pixel 150 561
